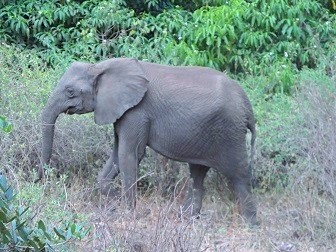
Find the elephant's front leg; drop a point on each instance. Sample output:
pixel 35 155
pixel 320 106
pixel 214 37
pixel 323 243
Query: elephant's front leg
pixel 130 153
pixel 108 174
pixel 109 171
pixel 128 172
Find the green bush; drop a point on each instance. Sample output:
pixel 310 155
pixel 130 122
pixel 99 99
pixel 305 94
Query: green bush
pixel 248 37
pixel 17 233
pixel 276 149
pixel 57 28
pixel 238 36
pixel 286 125
pixel 316 117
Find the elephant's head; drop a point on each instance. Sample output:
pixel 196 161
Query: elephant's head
pixel 108 89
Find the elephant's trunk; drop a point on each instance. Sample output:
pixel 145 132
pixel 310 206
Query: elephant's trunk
pixel 49 116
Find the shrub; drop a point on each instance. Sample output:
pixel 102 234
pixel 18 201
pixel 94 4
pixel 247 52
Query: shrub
pixel 312 180
pixel 286 125
pixel 276 144
pixel 17 232
pixel 58 29
pixel 247 37
pixel 317 116
pixel 238 36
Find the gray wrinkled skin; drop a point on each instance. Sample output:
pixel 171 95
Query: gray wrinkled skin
pixel 191 114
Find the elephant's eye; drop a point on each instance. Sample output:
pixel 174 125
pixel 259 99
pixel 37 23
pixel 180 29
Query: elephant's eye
pixel 70 92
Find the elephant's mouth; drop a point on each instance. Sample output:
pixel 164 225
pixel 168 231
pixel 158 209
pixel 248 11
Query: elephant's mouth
pixel 71 111
pixel 74 110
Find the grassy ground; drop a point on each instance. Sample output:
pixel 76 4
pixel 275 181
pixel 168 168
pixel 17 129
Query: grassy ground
pixel 289 221
pixel 295 171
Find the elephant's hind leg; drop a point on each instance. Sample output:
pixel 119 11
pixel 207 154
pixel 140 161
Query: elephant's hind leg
pixel 193 202
pixel 237 171
pixel 242 192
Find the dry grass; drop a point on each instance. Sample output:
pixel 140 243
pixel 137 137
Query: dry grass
pixel 298 217
pixel 288 223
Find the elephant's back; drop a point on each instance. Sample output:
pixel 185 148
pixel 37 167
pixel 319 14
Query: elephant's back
pixel 190 92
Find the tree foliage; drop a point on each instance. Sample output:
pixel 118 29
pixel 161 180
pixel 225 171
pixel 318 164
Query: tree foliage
pixel 240 36
pixel 248 37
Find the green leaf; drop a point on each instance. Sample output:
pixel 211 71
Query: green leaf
pixel 59 233
pixel 41 225
pixel 3 181
pixel 4 125
pixel 69 232
pixel 36 245
pixel 23 234
pixel 3 216
pixel 9 193
pixel 6 235
pixel 18 227
pixel 13 231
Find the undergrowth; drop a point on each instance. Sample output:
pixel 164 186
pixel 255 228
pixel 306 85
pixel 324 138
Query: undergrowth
pixel 295 168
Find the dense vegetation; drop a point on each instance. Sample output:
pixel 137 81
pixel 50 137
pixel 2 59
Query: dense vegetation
pixel 239 36
pixel 283 53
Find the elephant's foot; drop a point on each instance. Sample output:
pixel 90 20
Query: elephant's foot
pixel 109 189
pixel 142 213
pixel 250 217
pixel 191 207
pixel 248 212
pixel 252 221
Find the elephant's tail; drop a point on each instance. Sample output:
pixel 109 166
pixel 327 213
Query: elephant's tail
pixel 251 127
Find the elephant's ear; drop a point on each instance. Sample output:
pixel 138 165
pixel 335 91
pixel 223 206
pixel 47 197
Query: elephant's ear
pixel 121 84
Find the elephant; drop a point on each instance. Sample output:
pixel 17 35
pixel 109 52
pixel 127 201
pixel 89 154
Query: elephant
pixel 191 114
